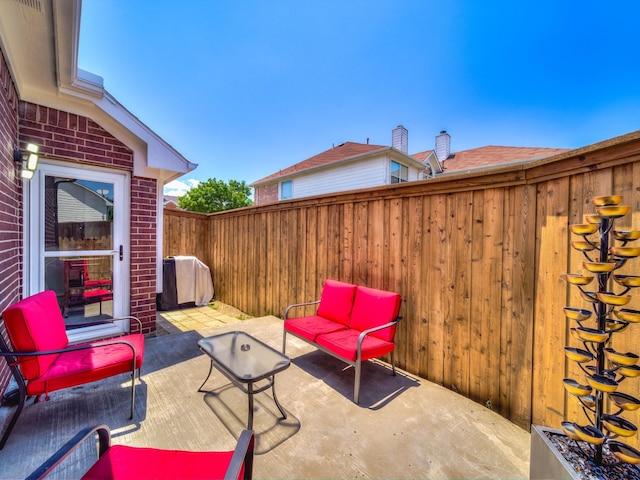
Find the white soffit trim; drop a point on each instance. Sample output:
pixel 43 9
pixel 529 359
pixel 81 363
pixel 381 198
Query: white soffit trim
pixel 432 160
pixel 78 83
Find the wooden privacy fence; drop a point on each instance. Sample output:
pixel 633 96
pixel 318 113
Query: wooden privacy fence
pixel 476 256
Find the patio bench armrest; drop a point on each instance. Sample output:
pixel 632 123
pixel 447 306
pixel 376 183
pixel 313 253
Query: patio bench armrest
pixel 104 442
pixel 295 305
pixel 368 331
pixel 110 320
pixel 242 457
pixel 71 348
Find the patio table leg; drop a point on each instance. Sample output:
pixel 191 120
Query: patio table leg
pixel 275 399
pixel 205 380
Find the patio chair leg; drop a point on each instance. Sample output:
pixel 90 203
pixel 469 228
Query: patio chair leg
pixel 356 386
pixel 23 396
pixel 284 342
pixel 133 393
pixel 393 364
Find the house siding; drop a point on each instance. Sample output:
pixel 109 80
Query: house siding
pixel 414 174
pixel 371 172
pixel 367 173
pixel 362 174
pixel 10 204
pixel 77 201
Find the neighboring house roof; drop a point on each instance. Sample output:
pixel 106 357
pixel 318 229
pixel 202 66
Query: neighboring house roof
pixel 463 160
pixel 170 202
pixel 489 156
pixel 422 155
pixel 344 152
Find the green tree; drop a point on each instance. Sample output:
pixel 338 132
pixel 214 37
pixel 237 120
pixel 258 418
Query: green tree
pixel 216 196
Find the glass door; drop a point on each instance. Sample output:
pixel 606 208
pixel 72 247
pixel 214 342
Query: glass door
pixel 78 241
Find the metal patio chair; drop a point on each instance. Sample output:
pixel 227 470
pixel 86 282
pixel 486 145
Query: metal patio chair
pixel 123 461
pixel 42 361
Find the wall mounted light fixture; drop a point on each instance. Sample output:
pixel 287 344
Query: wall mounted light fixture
pixel 27 160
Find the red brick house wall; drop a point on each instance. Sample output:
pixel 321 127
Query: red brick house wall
pixel 10 204
pixel 71 138
pixel 144 192
pixel 266 194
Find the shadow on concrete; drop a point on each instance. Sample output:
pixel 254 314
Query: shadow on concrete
pixel 231 405
pixel 378 385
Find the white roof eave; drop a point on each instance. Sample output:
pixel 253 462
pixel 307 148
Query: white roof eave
pixel 44 60
pixel 73 81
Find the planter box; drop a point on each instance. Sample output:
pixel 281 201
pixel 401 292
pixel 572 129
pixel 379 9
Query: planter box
pixel 546 461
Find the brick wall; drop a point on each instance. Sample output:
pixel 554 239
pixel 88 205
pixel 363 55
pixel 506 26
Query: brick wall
pixel 10 204
pixel 144 192
pixel 72 138
pixel 266 194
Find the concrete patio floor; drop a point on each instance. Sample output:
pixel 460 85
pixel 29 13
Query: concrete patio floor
pixel 404 427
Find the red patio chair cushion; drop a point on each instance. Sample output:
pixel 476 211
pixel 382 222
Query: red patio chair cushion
pixel 310 327
pixel 122 462
pixel 97 295
pixel 84 366
pixel 336 301
pixel 344 343
pixel 372 308
pixel 35 324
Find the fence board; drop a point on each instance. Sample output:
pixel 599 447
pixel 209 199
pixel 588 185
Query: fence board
pixel 458 333
pixel 551 292
pixel 413 289
pixel 439 290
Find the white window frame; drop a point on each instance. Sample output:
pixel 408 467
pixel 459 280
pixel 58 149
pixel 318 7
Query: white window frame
pixel 281 188
pixel 403 169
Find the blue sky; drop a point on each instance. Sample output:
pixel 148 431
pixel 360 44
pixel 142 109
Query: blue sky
pixel 245 88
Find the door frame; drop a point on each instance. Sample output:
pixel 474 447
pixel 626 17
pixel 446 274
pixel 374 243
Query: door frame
pixel 34 253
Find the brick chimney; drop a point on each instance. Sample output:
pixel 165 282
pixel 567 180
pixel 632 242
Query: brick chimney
pixel 443 146
pixel 400 139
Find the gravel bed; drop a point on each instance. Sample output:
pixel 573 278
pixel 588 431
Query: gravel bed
pixel 587 469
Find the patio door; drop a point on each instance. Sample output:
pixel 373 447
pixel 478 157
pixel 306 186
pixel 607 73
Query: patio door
pixel 78 222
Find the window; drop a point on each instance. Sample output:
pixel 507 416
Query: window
pixel 286 190
pixel 399 173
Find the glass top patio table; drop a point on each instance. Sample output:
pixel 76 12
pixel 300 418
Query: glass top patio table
pixel 245 360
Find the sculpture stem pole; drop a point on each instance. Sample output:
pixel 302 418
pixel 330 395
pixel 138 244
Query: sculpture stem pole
pixel 601 308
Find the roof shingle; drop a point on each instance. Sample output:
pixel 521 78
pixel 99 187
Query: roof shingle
pixel 489 156
pixel 335 154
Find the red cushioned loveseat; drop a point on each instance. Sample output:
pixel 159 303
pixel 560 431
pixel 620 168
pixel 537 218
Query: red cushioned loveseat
pixel 352 323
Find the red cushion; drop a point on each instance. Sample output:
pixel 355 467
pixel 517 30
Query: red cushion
pixel 344 344
pixel 97 283
pixel 125 462
pixel 336 301
pixel 36 324
pixel 83 366
pixel 311 327
pixel 372 308
pixel 101 292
